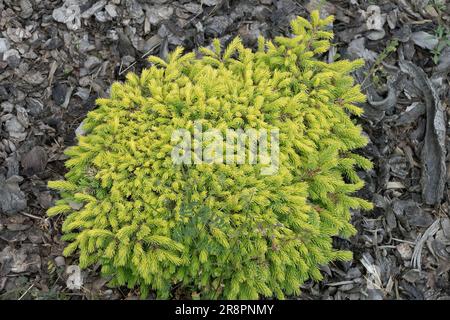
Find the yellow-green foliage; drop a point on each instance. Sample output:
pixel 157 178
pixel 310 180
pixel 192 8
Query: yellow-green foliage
pixel 219 231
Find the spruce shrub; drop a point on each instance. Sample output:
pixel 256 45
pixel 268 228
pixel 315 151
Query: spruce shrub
pixel 219 230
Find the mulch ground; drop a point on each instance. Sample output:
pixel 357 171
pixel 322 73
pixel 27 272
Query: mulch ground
pixel 57 57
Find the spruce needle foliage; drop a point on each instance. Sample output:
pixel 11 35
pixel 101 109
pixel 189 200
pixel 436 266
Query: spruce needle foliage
pixel 221 230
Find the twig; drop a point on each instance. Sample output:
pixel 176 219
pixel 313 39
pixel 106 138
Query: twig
pixel 404 241
pixel 387 247
pixel 341 283
pixel 32 216
pixel 142 57
pixel 23 295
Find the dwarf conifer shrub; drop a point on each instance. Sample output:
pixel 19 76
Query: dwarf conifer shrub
pixel 219 230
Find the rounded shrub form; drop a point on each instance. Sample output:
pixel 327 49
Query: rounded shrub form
pixel 219 230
